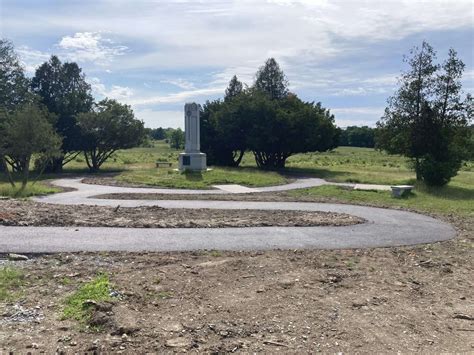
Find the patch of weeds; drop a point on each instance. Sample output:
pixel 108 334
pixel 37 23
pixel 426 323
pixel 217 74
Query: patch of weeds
pixel 97 290
pixel 11 280
pixel 215 253
pixel 65 281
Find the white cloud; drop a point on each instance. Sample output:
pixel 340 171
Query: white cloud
pixel 31 58
pixel 181 83
pixel 179 97
pixel 90 47
pixel 347 116
pixel 120 93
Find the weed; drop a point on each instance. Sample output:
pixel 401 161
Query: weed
pixel 98 290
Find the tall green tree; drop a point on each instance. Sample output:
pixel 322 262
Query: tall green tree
pixel 109 127
pixel 279 129
pixel 14 85
pixel 14 90
pixel 62 88
pixel 29 131
pixel 234 89
pixel 177 139
pixel 426 120
pixel 271 80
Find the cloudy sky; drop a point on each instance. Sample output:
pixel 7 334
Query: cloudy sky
pixel 158 54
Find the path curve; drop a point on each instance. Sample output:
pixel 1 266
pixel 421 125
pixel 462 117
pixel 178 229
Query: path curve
pixel 384 228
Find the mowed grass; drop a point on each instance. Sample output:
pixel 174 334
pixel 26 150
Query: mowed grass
pixel 451 199
pixel 196 180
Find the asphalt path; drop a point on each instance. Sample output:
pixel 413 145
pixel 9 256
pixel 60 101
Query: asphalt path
pixel 383 227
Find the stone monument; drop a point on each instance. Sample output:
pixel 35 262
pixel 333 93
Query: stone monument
pixel 192 159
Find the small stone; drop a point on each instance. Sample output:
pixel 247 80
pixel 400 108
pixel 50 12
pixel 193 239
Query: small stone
pixel 72 343
pixel 260 289
pixel 17 257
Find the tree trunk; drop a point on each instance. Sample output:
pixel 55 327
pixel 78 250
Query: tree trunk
pixel 26 173
pixel 4 168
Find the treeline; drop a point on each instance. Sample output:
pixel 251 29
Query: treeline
pixel 173 136
pixel 54 117
pixel 354 136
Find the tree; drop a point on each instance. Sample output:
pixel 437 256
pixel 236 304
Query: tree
pixel 234 89
pixel 157 133
pixel 14 89
pixel 281 128
pixel 177 139
pixel 354 136
pixel 14 85
pixel 29 131
pixel 426 120
pixel 223 130
pixel 64 91
pixel 271 80
pixel 109 127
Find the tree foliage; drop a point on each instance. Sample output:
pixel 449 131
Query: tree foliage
pixel 14 85
pixel 176 138
pixel 271 80
pixel 109 127
pixel 29 131
pixel 63 90
pixel 354 136
pixel 427 120
pixel 234 89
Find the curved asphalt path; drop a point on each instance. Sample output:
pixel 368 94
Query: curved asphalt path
pixel 384 227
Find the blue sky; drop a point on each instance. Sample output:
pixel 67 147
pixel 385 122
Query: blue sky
pixel 157 55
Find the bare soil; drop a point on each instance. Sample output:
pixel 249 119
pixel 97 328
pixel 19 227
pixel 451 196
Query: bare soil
pixel 29 213
pixel 407 299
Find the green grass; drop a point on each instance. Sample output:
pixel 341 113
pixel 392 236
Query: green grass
pixel 455 198
pixel 196 180
pixel 98 290
pixel 31 190
pixel 11 281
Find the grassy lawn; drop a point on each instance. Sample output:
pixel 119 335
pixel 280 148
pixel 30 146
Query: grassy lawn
pixel 196 180
pixel 31 189
pixel 456 198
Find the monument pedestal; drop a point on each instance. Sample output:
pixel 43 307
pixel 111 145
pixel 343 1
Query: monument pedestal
pixel 192 161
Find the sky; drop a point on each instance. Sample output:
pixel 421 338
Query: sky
pixel 157 55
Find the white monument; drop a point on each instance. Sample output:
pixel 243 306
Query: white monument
pixel 192 158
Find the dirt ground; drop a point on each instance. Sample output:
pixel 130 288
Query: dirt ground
pixel 29 213
pixel 384 300
pixel 377 300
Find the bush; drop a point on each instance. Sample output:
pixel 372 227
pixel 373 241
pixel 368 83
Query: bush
pixel 438 173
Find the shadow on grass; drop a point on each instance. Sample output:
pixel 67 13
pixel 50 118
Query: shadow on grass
pixel 314 172
pixel 193 175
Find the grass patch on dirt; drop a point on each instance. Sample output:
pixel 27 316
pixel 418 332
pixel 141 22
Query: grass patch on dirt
pixel 196 180
pixel 455 198
pixel 31 190
pixel 11 280
pixel 76 306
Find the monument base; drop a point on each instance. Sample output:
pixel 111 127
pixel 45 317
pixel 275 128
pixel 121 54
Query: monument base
pixel 192 161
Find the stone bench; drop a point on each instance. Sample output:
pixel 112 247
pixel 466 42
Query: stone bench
pixel 163 164
pixel 401 190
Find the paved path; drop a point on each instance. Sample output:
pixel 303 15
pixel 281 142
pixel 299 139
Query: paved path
pixel 384 227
